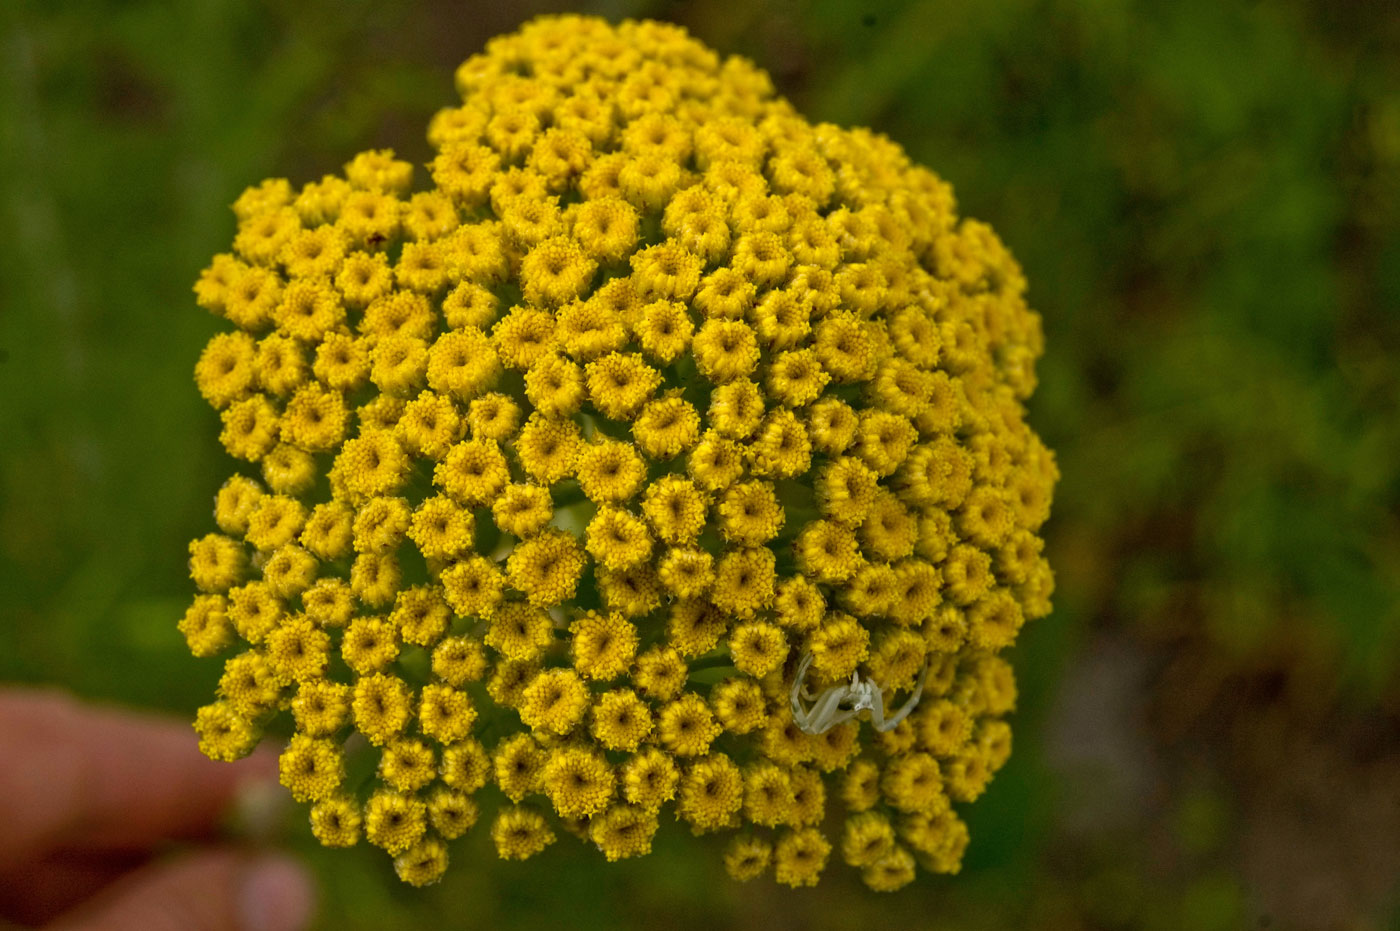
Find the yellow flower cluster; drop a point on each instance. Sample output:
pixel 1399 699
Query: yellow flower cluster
pixel 561 469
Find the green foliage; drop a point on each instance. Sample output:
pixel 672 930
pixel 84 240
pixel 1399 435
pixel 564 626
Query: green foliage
pixel 1204 197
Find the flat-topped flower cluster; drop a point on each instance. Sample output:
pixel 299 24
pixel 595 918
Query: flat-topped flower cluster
pixel 559 470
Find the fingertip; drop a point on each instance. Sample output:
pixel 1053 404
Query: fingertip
pixel 255 785
pixel 258 812
pixel 276 895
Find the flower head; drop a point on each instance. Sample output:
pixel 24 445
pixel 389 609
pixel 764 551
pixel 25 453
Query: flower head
pixel 558 471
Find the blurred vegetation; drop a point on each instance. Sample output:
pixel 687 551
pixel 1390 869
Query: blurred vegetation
pixel 1205 198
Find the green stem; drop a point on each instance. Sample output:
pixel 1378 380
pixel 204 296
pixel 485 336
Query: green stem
pixel 722 661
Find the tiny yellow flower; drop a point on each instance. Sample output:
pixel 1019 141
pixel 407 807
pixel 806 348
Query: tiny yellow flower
pixel 711 793
pixel 206 626
pixel 520 833
pixel 623 831
pixel 621 720
pixel 394 821
pixel 321 707
pixel 747 857
pixel 311 769
pixel 336 821
pixel 554 701
pixel 800 856
pixel 577 782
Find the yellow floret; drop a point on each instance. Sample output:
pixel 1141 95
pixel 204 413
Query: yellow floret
pixel 205 625
pixel 578 782
pixel 711 793
pixel 554 701
pixel 394 821
pixel 520 833
pixel 747 857
pixel 311 769
pixel 621 720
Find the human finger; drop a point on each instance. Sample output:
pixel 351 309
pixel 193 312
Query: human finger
pixel 37 890
pixel 101 777
pixel 212 890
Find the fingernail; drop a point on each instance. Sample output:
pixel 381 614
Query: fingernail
pixel 259 810
pixel 276 895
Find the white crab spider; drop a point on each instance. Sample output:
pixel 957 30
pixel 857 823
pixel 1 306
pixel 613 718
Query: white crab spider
pixel 826 711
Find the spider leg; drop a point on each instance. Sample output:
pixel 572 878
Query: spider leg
pixel 798 682
pixel 909 705
pixel 823 714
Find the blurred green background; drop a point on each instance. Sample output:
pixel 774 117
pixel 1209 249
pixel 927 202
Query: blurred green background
pixel 1205 197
